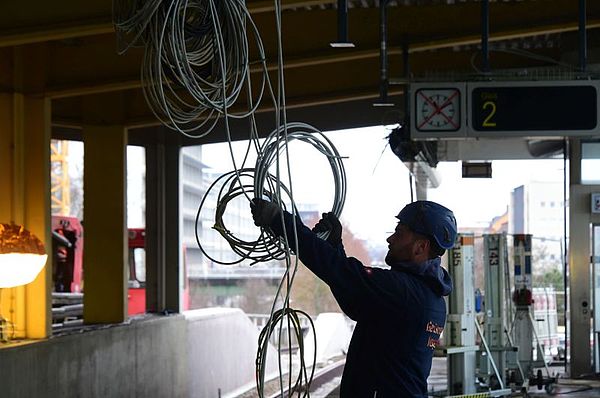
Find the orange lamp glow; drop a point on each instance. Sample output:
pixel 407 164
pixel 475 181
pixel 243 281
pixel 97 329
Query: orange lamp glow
pixel 22 256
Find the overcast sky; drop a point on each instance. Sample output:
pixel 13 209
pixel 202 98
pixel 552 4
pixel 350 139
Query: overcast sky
pixel 378 182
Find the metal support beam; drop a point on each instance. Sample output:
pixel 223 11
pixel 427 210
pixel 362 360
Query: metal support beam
pixel 174 281
pixel 580 299
pixel 461 317
pixel 496 315
pixel 383 56
pixel 406 87
pixel 342 25
pixel 485 35
pixel 164 275
pixel 582 36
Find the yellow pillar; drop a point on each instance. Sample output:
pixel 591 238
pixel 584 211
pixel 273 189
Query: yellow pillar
pixel 105 224
pixel 25 200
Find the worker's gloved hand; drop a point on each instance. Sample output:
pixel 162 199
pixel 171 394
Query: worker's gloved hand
pixel 329 222
pixel 264 212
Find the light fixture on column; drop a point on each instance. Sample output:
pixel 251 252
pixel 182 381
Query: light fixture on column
pixel 22 256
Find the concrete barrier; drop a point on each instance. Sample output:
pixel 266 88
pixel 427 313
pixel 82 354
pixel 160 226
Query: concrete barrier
pixel 202 353
pixel 140 359
pixel 222 345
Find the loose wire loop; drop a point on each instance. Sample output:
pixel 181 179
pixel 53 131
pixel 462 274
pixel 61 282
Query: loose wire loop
pixel 193 49
pixel 276 144
pixel 230 186
pixel 194 69
pixel 271 153
pixel 236 183
pixel 291 316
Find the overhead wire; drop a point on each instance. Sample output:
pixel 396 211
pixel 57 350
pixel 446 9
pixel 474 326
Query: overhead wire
pixel 194 69
pixel 521 53
pixel 192 49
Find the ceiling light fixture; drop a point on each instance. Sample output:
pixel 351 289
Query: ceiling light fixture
pixel 22 256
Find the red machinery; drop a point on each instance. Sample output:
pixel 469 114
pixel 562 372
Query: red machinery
pixel 67 275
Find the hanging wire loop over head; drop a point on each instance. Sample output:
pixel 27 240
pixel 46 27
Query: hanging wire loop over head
pixel 276 144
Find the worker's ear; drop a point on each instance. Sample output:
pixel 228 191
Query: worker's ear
pixel 421 247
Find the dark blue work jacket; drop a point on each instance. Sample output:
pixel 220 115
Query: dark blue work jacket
pixel 400 314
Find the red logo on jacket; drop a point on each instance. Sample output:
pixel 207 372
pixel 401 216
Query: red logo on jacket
pixel 436 330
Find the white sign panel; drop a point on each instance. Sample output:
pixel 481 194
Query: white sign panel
pixel 554 108
pixel 438 110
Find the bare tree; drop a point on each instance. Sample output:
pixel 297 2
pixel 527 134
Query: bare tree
pixel 310 293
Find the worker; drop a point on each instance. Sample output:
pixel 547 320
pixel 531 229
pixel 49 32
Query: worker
pixel 400 312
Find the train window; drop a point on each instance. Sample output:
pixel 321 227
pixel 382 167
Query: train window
pixel 138 265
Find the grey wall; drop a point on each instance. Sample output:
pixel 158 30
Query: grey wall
pixel 222 344
pixel 156 356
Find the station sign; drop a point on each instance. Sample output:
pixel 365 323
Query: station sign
pixel 507 108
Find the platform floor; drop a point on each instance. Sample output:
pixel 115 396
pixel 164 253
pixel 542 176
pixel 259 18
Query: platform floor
pixel 570 387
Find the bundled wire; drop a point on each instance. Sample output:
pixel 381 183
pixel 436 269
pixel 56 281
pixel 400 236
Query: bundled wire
pixel 195 64
pixel 231 185
pixel 277 143
pixel 260 182
pixel 130 19
pixel 195 67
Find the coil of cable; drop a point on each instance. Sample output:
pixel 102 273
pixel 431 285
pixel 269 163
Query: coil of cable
pixel 228 187
pixel 130 19
pixel 276 145
pixel 292 318
pixel 196 61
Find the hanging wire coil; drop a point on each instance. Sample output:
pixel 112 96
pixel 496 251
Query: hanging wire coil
pixel 231 185
pixel 292 318
pixel 276 145
pixel 196 61
pixel 194 69
pixel 259 182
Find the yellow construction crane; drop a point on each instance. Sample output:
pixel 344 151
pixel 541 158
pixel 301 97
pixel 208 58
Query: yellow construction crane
pixel 59 177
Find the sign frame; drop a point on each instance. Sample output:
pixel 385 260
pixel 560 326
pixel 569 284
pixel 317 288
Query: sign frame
pixel 434 112
pixel 491 109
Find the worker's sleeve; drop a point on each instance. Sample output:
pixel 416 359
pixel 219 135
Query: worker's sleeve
pixel 361 292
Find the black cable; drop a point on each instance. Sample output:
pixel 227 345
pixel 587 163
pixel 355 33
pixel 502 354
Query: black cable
pixel 291 316
pixel 230 185
pixel 586 388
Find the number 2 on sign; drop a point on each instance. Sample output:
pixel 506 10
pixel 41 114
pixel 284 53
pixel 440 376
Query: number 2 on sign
pixel 487 122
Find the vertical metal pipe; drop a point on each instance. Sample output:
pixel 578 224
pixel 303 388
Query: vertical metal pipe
pixel 406 64
pixel 342 21
pixel 383 85
pixel 485 35
pixel 342 25
pixel 582 37
pixel 565 245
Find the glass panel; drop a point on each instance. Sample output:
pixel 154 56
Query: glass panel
pixel 139 258
pixel 136 187
pixel 590 162
pixel 136 224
